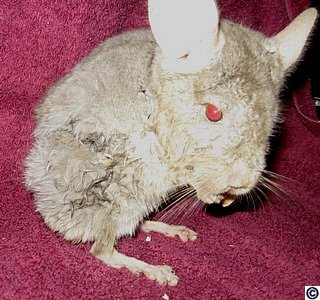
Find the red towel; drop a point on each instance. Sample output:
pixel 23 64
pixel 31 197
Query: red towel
pixel 268 254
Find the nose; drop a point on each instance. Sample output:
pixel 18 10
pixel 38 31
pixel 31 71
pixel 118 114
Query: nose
pixel 237 181
pixel 239 176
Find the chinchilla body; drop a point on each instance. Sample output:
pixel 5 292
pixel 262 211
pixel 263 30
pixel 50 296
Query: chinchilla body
pixel 120 104
pixel 129 124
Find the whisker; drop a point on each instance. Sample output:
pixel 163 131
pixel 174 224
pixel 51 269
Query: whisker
pixel 261 196
pixel 274 188
pixel 191 209
pixel 279 176
pixel 252 201
pixel 178 194
pixel 188 192
pixel 178 210
pixel 179 191
pixel 183 209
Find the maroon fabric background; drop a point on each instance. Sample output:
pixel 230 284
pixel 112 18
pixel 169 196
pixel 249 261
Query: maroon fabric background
pixel 271 253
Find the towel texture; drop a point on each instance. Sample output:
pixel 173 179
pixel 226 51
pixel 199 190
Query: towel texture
pixel 271 253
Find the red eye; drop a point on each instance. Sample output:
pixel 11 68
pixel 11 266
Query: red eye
pixel 213 113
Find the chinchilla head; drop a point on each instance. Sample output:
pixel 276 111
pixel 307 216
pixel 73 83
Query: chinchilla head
pixel 203 61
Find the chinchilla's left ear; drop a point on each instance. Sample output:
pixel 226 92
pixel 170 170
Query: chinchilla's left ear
pixel 290 42
pixel 187 32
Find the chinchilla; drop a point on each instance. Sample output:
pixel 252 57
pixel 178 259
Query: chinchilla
pixel 184 104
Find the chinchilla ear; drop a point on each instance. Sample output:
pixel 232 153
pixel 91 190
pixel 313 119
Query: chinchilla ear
pixel 187 32
pixel 291 40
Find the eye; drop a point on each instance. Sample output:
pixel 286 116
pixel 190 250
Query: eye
pixel 213 113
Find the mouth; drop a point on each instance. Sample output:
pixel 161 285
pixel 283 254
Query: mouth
pixel 225 199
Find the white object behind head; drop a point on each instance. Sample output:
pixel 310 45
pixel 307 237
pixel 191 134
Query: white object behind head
pixel 187 32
